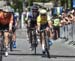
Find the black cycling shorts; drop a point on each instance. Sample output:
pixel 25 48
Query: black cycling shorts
pixel 4 27
pixel 33 24
pixel 43 26
pixel 13 29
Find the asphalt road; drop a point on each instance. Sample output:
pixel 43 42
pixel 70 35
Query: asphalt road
pixel 59 51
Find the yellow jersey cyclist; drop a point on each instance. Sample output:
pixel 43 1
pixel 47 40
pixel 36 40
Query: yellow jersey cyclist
pixel 43 22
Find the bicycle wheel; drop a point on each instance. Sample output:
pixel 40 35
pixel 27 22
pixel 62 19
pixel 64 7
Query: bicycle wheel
pixel 1 53
pixel 35 43
pixel 30 37
pixel 1 48
pixel 11 43
pixel 46 44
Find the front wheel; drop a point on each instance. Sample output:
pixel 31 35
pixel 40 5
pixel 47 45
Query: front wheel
pixel 11 42
pixel 46 44
pixel 1 50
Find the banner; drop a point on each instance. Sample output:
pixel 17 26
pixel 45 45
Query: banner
pixel 57 10
pixel 73 3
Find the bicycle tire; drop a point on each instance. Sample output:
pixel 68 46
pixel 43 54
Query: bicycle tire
pixel 46 44
pixel 1 50
pixel 30 37
pixel 11 43
pixel 35 41
pixel 1 53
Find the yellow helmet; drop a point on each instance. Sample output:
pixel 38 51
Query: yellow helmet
pixel 42 11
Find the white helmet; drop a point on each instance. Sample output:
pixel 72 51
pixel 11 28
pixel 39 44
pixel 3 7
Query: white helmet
pixel 7 9
pixel 42 11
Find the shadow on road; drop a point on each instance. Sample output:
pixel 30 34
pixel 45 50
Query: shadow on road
pixel 52 56
pixel 25 54
pixel 62 56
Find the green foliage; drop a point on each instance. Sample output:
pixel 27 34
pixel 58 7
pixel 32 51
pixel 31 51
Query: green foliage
pixel 17 4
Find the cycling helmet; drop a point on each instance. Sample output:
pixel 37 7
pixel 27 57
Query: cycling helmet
pixel 7 9
pixel 42 11
pixel 34 7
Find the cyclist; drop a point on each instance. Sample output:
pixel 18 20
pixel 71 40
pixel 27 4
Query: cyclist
pixel 43 22
pixel 32 20
pixel 6 22
pixel 15 25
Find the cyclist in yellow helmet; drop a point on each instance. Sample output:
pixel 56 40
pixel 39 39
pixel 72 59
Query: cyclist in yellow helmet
pixel 43 22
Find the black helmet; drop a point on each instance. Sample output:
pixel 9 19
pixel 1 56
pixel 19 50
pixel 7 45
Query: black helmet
pixel 34 7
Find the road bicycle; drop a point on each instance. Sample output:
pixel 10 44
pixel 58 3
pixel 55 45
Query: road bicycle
pixel 46 38
pixel 33 39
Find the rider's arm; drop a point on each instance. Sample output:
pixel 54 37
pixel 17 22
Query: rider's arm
pixel 49 21
pixel 26 18
pixel 38 23
pixel 11 22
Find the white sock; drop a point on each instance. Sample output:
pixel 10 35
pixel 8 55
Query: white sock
pixel 43 47
pixel 6 46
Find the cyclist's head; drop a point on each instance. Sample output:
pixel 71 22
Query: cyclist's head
pixel 7 10
pixel 34 8
pixel 43 12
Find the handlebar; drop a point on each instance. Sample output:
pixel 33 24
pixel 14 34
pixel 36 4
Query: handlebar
pixel 44 30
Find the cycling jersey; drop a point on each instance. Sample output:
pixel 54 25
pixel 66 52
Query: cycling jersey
pixel 42 20
pixel 5 20
pixel 14 19
pixel 33 19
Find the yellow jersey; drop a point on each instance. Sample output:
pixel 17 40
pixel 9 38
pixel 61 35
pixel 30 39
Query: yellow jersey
pixel 43 20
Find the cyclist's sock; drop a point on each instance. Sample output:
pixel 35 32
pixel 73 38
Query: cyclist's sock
pixel 50 41
pixel 14 44
pixel 6 48
pixel 38 40
pixel 43 47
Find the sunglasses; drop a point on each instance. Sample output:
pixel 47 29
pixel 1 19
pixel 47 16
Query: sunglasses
pixel 43 14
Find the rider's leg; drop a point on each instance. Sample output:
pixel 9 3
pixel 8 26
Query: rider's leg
pixel 6 40
pixel 42 42
pixel 14 39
